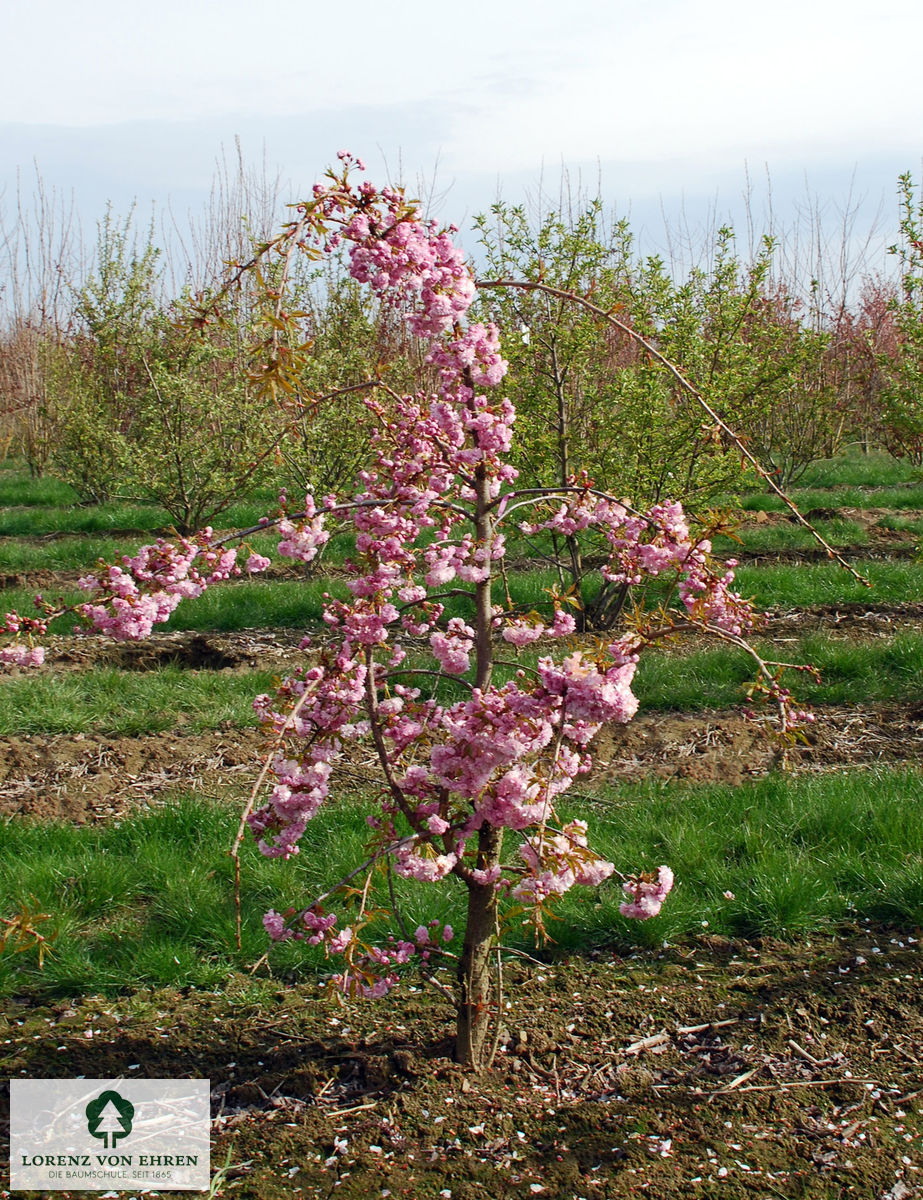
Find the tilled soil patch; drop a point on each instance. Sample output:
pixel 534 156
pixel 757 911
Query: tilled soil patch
pixel 91 777
pixel 277 649
pixel 718 1069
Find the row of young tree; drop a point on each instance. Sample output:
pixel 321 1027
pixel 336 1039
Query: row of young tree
pixel 102 385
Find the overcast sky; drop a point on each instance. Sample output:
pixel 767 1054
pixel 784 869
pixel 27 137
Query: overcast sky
pixel 667 103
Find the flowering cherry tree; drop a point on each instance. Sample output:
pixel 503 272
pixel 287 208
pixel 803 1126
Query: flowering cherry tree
pixel 470 785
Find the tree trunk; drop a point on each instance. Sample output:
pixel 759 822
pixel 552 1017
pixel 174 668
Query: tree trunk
pixel 475 985
pixel 474 969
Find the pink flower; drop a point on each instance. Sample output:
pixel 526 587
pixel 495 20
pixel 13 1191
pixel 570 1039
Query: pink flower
pixel 274 924
pixel 647 894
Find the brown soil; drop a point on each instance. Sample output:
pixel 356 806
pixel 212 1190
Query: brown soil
pixel 247 650
pixel 717 1070
pixel 92 777
pixel 265 649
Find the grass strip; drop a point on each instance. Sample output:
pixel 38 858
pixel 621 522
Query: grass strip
pixel 796 854
pixel 809 499
pixel 20 488
pixel 39 520
pixel 110 701
pixel 149 902
pixel 756 539
pixel 875 469
pixel 262 604
pixel 797 585
pixel 877 671
pixel 71 552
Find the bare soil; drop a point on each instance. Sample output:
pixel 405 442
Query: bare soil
pixel 721 1069
pixel 93 777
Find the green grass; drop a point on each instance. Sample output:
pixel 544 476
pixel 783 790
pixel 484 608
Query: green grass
pixel 876 671
pixel 42 520
pixel 261 604
pixel 257 604
pixel 807 499
pixel 902 524
pixel 795 585
pixel 69 553
pixel 758 539
pixel 265 604
pixel 19 488
pixel 776 585
pixel 854 469
pixel 62 554
pixel 149 902
pixel 716 676
pixel 249 604
pixel 54 517
pixel 798 854
pixel 110 701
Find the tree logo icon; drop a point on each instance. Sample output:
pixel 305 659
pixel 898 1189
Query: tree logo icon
pixel 109 1117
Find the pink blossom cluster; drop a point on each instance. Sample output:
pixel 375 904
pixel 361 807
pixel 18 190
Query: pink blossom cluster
pixel 301 787
pixel 474 355
pixel 312 925
pixel 557 861
pixel 708 597
pixel 522 631
pixel 371 973
pixel 402 256
pixel 593 692
pixel 650 544
pixel 128 601
pixel 452 649
pixel 370 970
pixel 447 559
pixel 646 894
pixel 17 653
pixel 302 536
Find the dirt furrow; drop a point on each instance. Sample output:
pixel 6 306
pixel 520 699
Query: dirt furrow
pixel 93 777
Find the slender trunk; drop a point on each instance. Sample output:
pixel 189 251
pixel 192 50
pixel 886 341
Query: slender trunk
pixel 474 974
pixel 564 472
pixel 475 999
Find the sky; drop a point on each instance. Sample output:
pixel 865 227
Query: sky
pixel 668 108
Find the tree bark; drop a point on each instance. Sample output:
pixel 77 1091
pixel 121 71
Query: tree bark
pixel 475 985
pixel 474 969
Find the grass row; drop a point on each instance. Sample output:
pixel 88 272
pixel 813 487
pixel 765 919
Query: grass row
pixel 106 700
pixel 111 701
pixel 78 553
pixel 33 507
pixel 855 469
pixel 149 902
pixel 263 604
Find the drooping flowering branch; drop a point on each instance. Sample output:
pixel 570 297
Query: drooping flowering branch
pixel 690 390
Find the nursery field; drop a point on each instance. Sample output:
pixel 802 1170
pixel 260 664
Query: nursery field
pixel 761 1037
